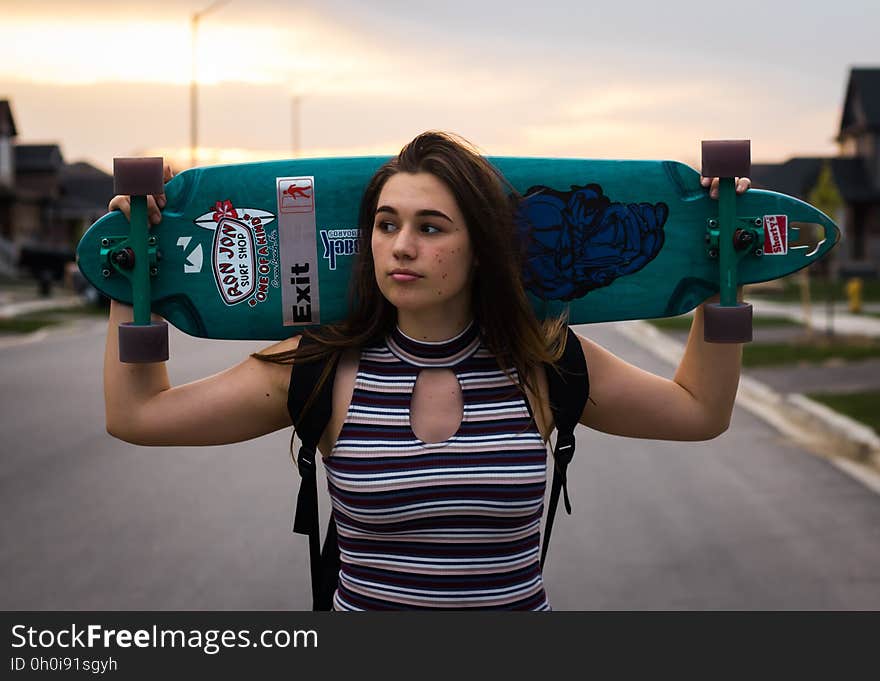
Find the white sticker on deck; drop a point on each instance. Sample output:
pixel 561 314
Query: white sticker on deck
pixel 300 297
pixel 243 253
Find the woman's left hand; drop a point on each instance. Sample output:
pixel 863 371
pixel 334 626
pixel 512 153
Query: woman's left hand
pixel 742 183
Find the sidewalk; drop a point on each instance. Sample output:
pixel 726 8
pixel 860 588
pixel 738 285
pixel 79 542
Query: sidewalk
pixel 22 298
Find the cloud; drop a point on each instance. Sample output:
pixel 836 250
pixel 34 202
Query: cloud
pixel 668 119
pixel 71 51
pixel 109 80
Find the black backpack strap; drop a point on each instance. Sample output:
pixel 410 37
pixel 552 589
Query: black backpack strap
pixel 304 377
pixel 569 389
pixel 330 565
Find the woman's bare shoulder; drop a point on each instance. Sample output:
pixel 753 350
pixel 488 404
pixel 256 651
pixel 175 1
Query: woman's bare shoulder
pixel 279 370
pixel 286 345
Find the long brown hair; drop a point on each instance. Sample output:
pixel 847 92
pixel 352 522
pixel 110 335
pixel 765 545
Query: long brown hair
pixel 507 322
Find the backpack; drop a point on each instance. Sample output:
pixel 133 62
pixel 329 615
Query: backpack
pixel 568 392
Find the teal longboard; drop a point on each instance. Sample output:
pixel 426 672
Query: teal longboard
pixel 263 250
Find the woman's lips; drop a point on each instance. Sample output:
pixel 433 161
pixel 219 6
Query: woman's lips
pixel 403 276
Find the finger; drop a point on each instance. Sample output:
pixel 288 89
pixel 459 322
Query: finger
pixel 121 203
pixel 742 184
pixel 155 215
pixel 713 191
pixel 116 202
pixel 705 181
pixel 167 174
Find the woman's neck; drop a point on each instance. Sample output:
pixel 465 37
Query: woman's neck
pixel 432 327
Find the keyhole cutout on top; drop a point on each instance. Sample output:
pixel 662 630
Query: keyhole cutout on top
pixel 437 407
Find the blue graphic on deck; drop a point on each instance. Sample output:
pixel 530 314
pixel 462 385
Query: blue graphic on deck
pixel 578 241
pixel 339 242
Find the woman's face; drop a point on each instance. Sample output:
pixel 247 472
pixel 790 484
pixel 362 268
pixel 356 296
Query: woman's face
pixel 421 247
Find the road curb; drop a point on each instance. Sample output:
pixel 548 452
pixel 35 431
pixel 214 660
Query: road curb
pixel 815 426
pixel 864 439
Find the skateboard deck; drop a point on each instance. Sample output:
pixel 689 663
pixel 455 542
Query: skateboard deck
pixel 263 250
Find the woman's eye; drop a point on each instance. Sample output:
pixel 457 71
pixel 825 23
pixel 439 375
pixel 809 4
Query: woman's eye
pixel 430 229
pixel 385 226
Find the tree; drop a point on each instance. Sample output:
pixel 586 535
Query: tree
pixel 826 197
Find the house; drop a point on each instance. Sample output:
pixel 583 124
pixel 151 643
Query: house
pixel 8 133
pixel 45 203
pixel 55 200
pixel 855 173
pixel 36 191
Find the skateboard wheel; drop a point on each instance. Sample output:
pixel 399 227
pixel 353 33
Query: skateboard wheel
pixel 139 344
pixel 727 324
pixel 727 158
pixel 138 176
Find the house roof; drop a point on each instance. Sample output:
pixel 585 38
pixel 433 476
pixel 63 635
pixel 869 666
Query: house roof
pixel 861 106
pixel 795 177
pixel 84 190
pixel 798 176
pixel 30 158
pixel 7 122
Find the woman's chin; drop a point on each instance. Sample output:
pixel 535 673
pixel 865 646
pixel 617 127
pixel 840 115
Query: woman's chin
pixel 419 299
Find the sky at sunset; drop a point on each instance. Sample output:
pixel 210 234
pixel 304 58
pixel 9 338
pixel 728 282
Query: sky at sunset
pixel 552 78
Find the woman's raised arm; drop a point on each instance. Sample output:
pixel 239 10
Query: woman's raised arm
pixel 243 402
pixel 695 405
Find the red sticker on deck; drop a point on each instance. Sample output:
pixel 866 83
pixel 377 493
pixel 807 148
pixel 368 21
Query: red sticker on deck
pixel 296 195
pixel 775 234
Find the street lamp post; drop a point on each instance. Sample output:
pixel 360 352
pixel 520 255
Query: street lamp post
pixel 193 87
pixel 295 125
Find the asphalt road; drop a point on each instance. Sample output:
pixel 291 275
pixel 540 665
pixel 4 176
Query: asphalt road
pixel 747 521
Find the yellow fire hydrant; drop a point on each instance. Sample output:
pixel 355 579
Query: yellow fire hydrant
pixel 854 294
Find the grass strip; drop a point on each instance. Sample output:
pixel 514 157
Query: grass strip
pixel 33 321
pixel 862 407
pixel 821 290
pixel 814 351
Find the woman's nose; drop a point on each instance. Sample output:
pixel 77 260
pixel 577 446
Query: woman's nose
pixel 404 243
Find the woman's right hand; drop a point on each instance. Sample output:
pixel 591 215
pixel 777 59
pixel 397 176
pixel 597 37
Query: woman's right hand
pixel 155 204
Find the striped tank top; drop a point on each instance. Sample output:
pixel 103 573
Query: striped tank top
pixel 454 524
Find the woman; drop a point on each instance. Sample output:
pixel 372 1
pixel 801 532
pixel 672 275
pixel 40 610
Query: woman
pixel 436 447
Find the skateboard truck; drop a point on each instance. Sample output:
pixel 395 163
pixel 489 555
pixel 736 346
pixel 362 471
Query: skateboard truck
pixel 142 340
pixel 743 238
pixel 118 255
pixel 729 321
